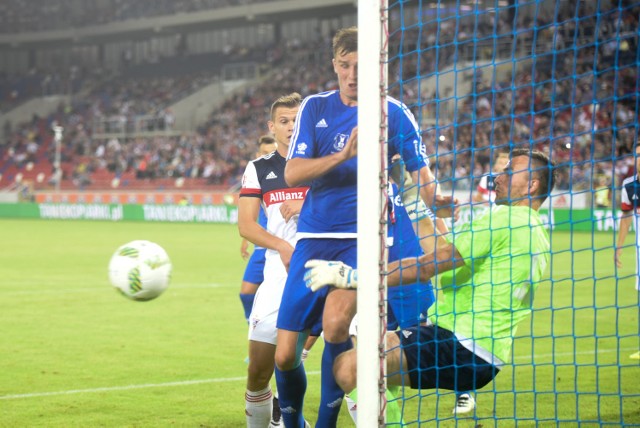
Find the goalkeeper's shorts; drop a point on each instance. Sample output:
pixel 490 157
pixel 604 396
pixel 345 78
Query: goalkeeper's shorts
pixel 437 359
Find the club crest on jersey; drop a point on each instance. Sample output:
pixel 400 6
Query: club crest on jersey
pixel 301 148
pixel 339 142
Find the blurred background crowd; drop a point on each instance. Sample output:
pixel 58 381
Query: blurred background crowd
pixel 568 87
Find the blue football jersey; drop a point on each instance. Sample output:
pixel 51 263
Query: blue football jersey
pixel 323 126
pixel 402 239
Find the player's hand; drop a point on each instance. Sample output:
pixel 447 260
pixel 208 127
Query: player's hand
pixel 398 174
pixel 285 252
pixel 322 273
pixel 350 149
pixel 447 206
pixel 244 249
pixel 411 199
pixel 618 257
pixel 290 208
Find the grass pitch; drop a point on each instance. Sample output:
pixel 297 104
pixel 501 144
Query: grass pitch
pixel 74 353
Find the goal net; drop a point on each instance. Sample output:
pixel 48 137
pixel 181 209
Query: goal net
pixel 484 78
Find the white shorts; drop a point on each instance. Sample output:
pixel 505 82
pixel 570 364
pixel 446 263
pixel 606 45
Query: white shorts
pixel 264 313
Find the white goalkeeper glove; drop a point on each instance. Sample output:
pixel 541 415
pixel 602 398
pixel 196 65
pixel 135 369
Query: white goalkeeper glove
pixel 413 203
pixel 322 273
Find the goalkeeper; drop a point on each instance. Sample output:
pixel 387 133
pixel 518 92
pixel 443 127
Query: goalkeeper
pixel 488 277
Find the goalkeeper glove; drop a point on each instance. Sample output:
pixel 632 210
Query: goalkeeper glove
pixel 322 273
pixel 413 203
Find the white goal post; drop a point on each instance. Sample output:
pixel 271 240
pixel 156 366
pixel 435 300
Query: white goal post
pixel 372 106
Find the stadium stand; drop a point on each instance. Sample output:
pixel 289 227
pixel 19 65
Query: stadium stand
pixel 98 150
pixel 32 16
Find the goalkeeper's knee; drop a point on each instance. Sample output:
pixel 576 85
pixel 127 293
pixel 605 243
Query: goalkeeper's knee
pixel 344 371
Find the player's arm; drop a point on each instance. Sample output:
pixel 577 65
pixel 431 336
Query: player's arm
pixel 407 271
pixel 429 238
pixel 429 235
pixel 244 249
pixel 625 223
pixel 404 129
pixel 248 210
pixel 442 206
pixel 299 171
pixel 322 273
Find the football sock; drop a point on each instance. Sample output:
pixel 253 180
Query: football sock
pixel 352 405
pixel 258 407
pixel 247 304
pixel 394 412
pixel 292 385
pixel 330 393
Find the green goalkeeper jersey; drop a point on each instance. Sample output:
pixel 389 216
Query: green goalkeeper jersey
pixel 506 252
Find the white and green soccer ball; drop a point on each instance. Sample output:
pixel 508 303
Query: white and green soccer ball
pixel 140 270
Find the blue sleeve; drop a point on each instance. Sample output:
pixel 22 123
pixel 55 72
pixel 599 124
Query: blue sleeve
pixel 262 218
pixel 404 137
pixel 303 139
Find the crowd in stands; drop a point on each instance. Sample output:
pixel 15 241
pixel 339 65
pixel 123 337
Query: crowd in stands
pixel 217 153
pixel 17 16
pixel 16 88
pixel 578 105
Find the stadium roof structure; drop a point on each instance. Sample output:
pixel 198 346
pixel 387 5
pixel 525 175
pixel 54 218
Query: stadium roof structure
pixel 230 17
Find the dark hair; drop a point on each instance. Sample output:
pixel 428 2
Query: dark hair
pixel 543 168
pixel 292 100
pixel 345 41
pixel 266 139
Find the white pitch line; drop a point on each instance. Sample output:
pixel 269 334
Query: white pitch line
pixel 568 354
pixel 14 292
pixel 242 378
pixel 130 387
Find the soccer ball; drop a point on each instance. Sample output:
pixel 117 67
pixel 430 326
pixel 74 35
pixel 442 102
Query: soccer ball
pixel 140 270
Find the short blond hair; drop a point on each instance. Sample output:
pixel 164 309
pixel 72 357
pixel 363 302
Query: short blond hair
pixel 345 41
pixel 292 100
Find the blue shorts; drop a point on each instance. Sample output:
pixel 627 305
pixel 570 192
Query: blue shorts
pixel 436 359
pixel 301 309
pixel 407 305
pixel 254 272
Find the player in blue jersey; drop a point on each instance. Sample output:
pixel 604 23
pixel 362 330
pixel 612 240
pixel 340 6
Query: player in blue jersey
pixel 323 154
pixel 630 206
pixel 253 273
pixel 407 306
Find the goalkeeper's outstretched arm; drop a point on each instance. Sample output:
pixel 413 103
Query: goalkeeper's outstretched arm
pixel 408 271
pixel 322 273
